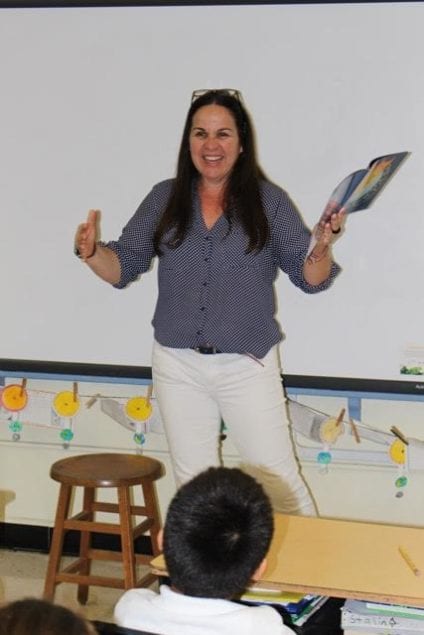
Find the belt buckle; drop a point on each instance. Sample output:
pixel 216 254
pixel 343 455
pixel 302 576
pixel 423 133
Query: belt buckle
pixel 206 350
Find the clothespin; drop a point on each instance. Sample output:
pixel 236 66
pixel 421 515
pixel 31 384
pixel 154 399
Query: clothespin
pixel 92 400
pixel 340 417
pixel 75 391
pixel 354 430
pixel 149 394
pixel 23 386
pixel 399 435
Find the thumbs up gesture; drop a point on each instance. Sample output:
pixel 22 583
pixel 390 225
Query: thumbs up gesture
pixel 86 235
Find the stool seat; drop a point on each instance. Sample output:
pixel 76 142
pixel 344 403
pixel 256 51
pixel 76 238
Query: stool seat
pixel 105 470
pixel 93 472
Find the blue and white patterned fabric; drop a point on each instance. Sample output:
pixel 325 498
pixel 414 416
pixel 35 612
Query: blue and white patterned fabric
pixel 211 292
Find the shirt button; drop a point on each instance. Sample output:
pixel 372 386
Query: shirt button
pixel 202 308
pixel 198 332
pixel 205 284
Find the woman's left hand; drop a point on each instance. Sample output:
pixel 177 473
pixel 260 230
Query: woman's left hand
pixel 327 232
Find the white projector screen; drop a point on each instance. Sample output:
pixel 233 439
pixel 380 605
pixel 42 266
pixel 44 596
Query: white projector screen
pixel 92 107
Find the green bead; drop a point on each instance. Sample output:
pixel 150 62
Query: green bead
pixel 15 426
pixel 67 434
pixel 139 438
pixel 401 481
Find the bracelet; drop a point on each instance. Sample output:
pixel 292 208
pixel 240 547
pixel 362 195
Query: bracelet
pixel 77 252
pixel 313 258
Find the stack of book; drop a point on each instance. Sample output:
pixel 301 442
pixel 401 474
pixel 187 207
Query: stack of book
pixel 381 619
pixel 298 606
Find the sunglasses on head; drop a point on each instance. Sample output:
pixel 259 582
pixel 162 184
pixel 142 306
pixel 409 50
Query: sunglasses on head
pixel 230 92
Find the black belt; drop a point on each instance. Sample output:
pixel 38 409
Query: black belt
pixel 206 350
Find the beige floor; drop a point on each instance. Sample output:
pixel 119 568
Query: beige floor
pixel 22 575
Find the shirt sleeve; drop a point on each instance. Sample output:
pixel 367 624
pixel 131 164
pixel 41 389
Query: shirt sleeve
pixel 134 247
pixel 290 238
pixel 128 612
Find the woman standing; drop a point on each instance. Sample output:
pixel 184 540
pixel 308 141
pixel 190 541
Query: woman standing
pixel 221 231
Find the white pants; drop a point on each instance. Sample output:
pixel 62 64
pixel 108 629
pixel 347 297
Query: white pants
pixel 195 392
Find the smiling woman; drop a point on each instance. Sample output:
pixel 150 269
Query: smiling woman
pixel 214 148
pixel 220 230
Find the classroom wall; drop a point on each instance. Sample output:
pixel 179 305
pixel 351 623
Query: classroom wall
pixel 330 87
pixel 361 486
pixel 92 109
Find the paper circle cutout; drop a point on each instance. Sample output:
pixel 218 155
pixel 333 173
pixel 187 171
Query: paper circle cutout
pixel 330 430
pixel 14 397
pixel 397 452
pixel 65 404
pixel 138 409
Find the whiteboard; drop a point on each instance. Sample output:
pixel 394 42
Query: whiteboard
pixel 92 107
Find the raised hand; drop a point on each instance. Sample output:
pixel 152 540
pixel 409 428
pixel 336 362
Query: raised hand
pixel 86 235
pixel 327 231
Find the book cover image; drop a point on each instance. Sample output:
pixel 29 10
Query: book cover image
pixel 359 190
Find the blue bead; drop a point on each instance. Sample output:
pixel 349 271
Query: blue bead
pixel 67 434
pixel 139 438
pixel 324 458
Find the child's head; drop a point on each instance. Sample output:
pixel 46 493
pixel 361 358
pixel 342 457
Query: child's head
pixel 33 616
pixel 217 532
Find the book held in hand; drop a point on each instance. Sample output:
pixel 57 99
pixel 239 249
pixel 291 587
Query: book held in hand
pixel 360 189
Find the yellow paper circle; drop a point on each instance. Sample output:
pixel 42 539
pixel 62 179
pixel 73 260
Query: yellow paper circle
pixel 138 409
pixel 14 397
pixel 330 430
pixel 65 404
pixel 397 452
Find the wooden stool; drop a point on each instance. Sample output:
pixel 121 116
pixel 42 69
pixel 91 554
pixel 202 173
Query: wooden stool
pixel 94 471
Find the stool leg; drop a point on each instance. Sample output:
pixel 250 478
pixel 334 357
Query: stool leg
pixel 127 539
pixel 152 511
pixel 85 543
pixel 62 512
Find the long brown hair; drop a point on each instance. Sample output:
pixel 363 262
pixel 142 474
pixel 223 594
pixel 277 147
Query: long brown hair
pixel 242 198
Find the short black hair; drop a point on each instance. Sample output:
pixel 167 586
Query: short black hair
pixel 218 529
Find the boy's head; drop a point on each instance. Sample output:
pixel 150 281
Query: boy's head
pixel 217 532
pixel 33 616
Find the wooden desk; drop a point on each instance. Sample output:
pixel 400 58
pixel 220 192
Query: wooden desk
pixel 342 559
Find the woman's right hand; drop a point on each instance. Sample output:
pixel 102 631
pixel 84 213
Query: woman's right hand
pixel 106 264
pixel 86 235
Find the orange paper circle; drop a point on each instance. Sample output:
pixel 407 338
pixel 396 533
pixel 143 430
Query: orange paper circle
pixel 14 397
